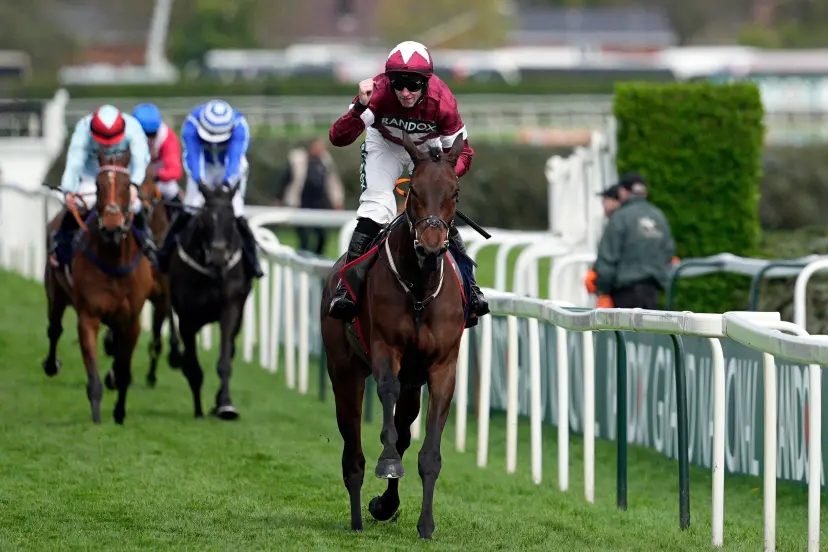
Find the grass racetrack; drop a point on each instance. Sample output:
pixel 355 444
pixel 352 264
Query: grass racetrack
pixel 271 480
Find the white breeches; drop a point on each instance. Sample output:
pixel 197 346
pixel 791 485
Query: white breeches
pixel 383 162
pixel 88 190
pixel 213 176
pixel 169 190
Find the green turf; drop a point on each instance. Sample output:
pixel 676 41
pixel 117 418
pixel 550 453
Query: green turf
pixel 271 480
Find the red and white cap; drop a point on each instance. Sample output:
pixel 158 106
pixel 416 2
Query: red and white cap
pixel 410 57
pixel 108 125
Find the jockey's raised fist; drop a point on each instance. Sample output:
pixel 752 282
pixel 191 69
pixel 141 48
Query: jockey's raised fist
pixel 366 89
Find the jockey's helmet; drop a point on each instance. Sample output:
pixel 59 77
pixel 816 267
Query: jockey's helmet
pixel 107 126
pixel 149 116
pixel 410 57
pixel 215 122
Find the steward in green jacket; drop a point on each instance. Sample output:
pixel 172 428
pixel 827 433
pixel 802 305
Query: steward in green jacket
pixel 635 255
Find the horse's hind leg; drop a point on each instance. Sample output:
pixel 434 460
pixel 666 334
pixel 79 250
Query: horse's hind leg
pixel 231 319
pixel 440 391
pixel 386 366
pixel 174 358
pixel 349 389
pixel 191 367
pixel 58 301
pixel 384 507
pixel 127 339
pixel 158 316
pixel 88 327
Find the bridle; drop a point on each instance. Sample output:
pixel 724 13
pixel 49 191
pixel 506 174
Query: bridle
pixel 431 221
pixel 112 206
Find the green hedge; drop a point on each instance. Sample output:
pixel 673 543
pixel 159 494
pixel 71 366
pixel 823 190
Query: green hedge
pixel 584 83
pixel 699 146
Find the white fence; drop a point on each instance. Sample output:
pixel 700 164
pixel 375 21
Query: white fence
pixel 281 321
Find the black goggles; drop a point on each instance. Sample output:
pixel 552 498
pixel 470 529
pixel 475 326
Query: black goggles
pixel 413 84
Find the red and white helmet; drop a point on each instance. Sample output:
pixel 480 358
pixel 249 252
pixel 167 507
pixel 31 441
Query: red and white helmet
pixel 410 57
pixel 107 126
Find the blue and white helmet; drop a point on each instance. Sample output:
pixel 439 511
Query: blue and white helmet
pixel 215 123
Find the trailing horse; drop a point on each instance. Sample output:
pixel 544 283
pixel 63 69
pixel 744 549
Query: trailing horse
pixel 108 281
pixel 407 334
pixel 210 282
pixel 159 222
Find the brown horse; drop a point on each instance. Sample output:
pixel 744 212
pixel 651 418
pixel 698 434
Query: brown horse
pixel 409 327
pixel 160 298
pixel 111 279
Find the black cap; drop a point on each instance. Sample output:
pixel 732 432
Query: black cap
pixel 610 193
pixel 628 180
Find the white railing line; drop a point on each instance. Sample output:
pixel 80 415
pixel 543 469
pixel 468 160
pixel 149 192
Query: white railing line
pixel 801 290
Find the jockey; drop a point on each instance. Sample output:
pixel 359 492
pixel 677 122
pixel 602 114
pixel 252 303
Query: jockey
pixel 406 97
pixel 165 151
pixel 106 129
pixel 215 138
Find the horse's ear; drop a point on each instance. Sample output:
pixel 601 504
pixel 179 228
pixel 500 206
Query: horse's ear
pixel 409 146
pixel 456 149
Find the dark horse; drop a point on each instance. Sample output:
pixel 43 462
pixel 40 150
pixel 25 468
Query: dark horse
pixel 159 221
pixel 109 281
pixel 407 334
pixel 209 283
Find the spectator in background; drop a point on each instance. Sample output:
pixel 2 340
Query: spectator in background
pixel 636 251
pixel 312 181
pixel 610 199
pixel 611 202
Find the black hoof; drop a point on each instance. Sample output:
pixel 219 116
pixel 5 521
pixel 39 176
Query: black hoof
pixel 175 359
pixel 109 380
pixel 425 530
pixel 357 527
pixel 389 468
pixel 226 412
pixel 382 510
pixel 119 417
pixel 152 380
pixel 51 368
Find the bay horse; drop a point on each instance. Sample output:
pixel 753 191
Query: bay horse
pixel 109 281
pixel 407 334
pixel 209 283
pixel 158 220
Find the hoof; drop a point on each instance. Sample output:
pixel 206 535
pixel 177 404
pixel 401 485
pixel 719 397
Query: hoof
pixel 119 419
pixel 382 511
pixel 51 368
pixel 109 380
pixel 389 468
pixel 426 530
pixel 151 381
pixel 226 412
pixel 175 359
pixel 357 527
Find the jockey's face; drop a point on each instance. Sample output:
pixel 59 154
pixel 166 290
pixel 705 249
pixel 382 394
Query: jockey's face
pixel 408 87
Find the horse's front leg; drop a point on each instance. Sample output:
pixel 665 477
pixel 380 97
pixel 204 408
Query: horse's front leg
pixel 88 327
pixel 127 339
pixel 440 392
pixel 230 324
pixel 156 345
pixel 386 369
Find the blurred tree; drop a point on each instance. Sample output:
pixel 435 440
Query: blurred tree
pixel 201 25
pixel 27 26
pixel 445 23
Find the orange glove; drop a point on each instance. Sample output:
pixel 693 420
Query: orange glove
pixel 604 302
pixel 589 281
pixel 676 260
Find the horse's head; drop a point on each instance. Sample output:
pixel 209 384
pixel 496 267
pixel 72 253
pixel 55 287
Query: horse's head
pixel 432 198
pixel 113 195
pixel 216 226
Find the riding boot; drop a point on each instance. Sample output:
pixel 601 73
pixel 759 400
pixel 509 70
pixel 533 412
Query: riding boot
pixel 249 247
pixel 477 302
pixel 178 224
pixel 342 306
pixel 62 239
pixel 147 242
